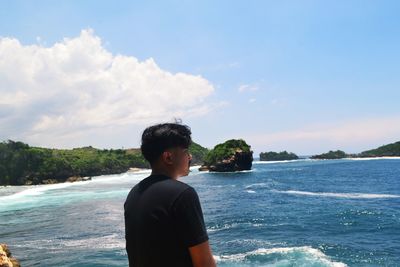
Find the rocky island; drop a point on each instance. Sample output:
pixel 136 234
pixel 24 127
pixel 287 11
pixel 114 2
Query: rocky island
pixel 232 155
pixel 338 154
pixel 277 156
pixel 21 164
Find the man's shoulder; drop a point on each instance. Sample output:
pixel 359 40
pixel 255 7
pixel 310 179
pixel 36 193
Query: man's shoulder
pixel 162 184
pixel 175 187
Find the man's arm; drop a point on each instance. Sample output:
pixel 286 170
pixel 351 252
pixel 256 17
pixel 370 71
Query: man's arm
pixel 202 256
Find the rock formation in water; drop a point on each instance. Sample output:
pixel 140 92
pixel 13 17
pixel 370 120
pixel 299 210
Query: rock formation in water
pixel 338 154
pixel 232 155
pixel 276 156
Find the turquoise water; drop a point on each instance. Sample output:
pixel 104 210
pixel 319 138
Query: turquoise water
pixel 299 213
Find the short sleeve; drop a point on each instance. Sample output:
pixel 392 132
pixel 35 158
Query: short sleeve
pixel 189 219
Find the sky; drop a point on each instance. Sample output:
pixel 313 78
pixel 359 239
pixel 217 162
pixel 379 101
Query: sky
pixel 301 76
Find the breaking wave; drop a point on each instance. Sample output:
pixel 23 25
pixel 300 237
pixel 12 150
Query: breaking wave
pixel 285 256
pixel 338 195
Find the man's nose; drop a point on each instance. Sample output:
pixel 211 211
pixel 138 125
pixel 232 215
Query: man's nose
pixel 190 156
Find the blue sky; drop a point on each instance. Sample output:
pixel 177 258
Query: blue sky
pixel 303 76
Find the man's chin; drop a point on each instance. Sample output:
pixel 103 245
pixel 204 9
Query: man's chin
pixel 186 173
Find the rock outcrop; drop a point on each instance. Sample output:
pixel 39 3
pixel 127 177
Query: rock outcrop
pixel 239 162
pixel 233 155
pixel 5 257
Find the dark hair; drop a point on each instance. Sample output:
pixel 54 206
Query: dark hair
pixel 158 138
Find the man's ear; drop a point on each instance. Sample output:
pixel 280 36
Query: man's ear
pixel 167 157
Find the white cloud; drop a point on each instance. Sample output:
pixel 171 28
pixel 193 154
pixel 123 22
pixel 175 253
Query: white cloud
pixel 352 136
pixel 76 85
pixel 247 88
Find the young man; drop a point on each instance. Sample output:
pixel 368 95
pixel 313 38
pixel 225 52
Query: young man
pixel 164 223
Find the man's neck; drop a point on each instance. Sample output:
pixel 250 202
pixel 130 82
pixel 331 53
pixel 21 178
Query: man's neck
pixel 162 171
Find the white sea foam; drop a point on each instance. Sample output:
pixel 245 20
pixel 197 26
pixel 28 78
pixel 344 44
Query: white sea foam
pixel 256 185
pixel 24 195
pixel 339 195
pixel 222 227
pixel 251 191
pixel 195 167
pixel 35 190
pixel 127 177
pixel 227 226
pixel 111 241
pixel 290 254
pixel 373 158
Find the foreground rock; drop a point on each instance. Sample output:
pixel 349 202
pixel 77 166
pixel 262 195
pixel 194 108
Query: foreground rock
pixel 233 155
pixel 5 257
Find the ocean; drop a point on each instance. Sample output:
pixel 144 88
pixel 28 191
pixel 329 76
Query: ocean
pixel 293 213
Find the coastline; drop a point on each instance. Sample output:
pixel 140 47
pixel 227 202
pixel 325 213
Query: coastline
pixel 310 159
pixel 137 170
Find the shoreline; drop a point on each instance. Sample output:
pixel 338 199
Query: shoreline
pixel 196 167
pixel 310 159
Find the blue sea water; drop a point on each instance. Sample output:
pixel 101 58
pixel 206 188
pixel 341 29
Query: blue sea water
pixel 296 213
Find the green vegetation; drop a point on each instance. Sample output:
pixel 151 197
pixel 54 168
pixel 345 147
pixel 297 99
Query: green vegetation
pixel 338 154
pixel 389 150
pixel 198 153
pixel 21 164
pixel 275 156
pixel 225 151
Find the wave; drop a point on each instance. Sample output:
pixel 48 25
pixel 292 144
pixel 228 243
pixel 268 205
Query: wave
pixel 338 195
pixel 19 196
pixel 256 185
pixel 283 256
pixel 373 158
pixel 110 241
pixel 36 190
pixel 227 226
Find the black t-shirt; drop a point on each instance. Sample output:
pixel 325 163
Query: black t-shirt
pixel 163 218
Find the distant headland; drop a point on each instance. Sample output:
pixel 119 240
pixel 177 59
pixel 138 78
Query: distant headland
pixel 390 150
